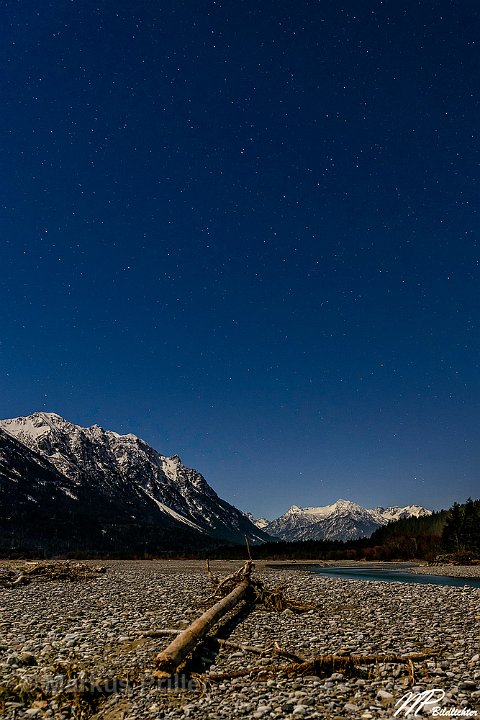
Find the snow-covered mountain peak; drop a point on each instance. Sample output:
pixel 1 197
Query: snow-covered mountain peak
pixel 323 511
pixel 259 522
pixel 341 503
pixel 396 512
pixel 119 436
pixel 49 416
pixel 35 425
pixel 293 510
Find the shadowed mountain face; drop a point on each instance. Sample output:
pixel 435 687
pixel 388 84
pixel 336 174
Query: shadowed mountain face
pixel 94 489
pixel 44 512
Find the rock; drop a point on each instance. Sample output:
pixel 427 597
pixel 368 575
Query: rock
pixel 261 711
pixel 467 685
pixel 350 707
pixel 385 697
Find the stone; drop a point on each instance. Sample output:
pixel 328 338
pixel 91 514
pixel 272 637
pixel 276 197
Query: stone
pixel 351 707
pixel 467 685
pixel 385 697
pixel 264 709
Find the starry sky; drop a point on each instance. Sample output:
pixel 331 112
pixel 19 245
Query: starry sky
pixel 248 232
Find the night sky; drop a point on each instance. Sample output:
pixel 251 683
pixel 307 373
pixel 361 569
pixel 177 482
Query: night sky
pixel 247 231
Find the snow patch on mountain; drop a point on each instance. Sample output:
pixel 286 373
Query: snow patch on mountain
pixel 172 513
pixel 258 522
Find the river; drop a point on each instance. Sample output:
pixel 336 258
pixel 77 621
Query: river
pixel 388 573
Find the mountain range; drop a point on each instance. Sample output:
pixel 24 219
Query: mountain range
pixel 89 489
pixel 343 520
pixel 66 488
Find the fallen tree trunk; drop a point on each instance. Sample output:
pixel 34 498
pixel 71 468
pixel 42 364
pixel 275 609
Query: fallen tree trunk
pixel 217 640
pixel 169 659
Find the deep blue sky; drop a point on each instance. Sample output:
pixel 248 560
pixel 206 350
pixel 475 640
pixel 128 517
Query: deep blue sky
pixel 248 232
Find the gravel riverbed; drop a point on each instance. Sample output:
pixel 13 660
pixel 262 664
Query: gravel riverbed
pixel 52 631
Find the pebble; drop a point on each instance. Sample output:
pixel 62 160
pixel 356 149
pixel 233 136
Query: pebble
pixel 385 697
pixel 467 685
pixel 27 658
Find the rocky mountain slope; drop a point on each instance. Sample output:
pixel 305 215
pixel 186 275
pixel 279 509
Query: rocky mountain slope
pixel 42 512
pixel 116 484
pixel 343 520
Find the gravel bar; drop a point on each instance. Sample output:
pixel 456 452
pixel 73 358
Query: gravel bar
pixel 52 631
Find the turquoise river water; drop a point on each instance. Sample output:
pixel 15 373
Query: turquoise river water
pixel 392 574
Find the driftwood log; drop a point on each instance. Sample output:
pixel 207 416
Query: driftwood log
pixel 325 664
pixel 169 659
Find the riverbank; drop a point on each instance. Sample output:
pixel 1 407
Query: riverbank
pixel 102 626
pixel 471 572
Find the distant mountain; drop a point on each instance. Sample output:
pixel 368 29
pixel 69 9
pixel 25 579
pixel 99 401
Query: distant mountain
pixel 343 520
pixel 115 490
pixel 258 522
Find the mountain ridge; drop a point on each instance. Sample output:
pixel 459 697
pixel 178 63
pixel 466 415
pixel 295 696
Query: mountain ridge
pixel 342 520
pixel 123 471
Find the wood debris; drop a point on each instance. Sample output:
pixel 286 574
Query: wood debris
pixel 239 586
pixel 17 574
